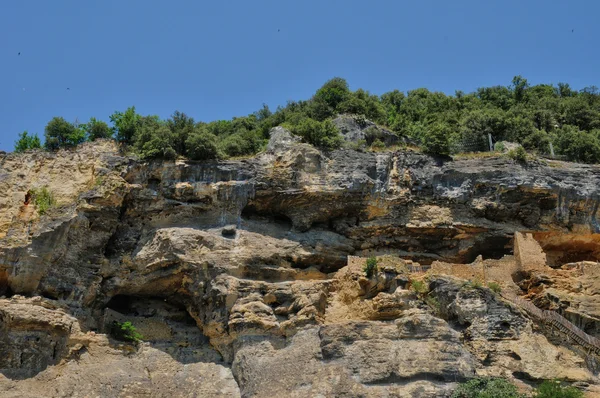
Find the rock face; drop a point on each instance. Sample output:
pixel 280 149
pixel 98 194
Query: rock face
pixel 236 273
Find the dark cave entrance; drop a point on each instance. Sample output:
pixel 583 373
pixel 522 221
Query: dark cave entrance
pixel 251 214
pixel 490 248
pixel 151 306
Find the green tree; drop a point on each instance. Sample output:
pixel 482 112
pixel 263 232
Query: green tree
pixel 125 125
pixel 97 129
pixel 181 126
pixel 436 140
pixel 519 87
pixel 27 142
pixel 323 135
pixel 202 145
pixel 576 145
pixel 61 134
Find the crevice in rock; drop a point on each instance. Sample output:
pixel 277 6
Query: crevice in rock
pixel 395 379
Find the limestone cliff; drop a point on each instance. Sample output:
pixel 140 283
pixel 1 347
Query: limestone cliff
pixel 237 273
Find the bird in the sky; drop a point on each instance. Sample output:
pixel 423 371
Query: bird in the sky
pixel 278 30
pixel 572 30
pixel 19 54
pixel 68 88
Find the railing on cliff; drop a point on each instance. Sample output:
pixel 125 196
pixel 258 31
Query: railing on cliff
pixel 559 322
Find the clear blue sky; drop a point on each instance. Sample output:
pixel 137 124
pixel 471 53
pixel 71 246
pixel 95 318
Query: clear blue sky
pixel 218 59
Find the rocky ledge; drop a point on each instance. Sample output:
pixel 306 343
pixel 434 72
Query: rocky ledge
pixel 239 274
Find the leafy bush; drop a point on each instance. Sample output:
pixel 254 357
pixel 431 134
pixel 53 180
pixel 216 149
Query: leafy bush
pixel 499 146
pixel 472 284
pixel 553 389
pixel 419 287
pixel 125 125
pixel 61 134
pixel 27 142
pixel 96 129
pixel 377 145
pixel 181 126
pixel 202 145
pixel 125 332
pixel 333 92
pixel 323 135
pixel 436 139
pixel 486 388
pixel 370 267
pixel 519 154
pixel 495 287
pixel 43 199
pixel 578 145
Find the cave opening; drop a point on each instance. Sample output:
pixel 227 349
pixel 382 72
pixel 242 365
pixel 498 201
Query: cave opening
pixel 490 248
pixel 151 306
pixel 251 214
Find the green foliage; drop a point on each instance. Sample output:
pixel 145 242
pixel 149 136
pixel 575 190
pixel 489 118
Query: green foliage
pixel 499 146
pixel 554 389
pixel 96 129
pixel 495 287
pixel 43 199
pixel 420 287
pixel 531 115
pixel 333 93
pixel 125 332
pixel 472 284
pixel 125 125
pixel 436 139
pixel 578 145
pixel 181 127
pixel 202 145
pixel 370 267
pixel 377 145
pixel 320 134
pixel 27 142
pixel 61 134
pixel 519 154
pixel 486 388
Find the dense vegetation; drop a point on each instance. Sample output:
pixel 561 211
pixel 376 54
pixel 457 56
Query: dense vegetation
pixel 500 388
pixel 534 116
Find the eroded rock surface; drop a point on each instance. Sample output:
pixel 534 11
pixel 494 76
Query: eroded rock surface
pixel 237 273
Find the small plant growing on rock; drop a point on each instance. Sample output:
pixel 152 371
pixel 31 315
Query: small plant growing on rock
pixel 519 154
pixel 472 284
pixel 419 287
pixel 370 267
pixel 499 146
pixel 486 388
pixel 361 120
pixel 125 332
pixel 377 145
pixel 43 199
pixel 495 287
pixel 553 389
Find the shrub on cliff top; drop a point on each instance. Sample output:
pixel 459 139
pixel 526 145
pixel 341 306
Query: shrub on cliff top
pixel 27 142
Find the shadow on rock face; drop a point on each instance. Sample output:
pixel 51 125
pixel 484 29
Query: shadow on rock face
pixel 31 339
pixel 164 324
